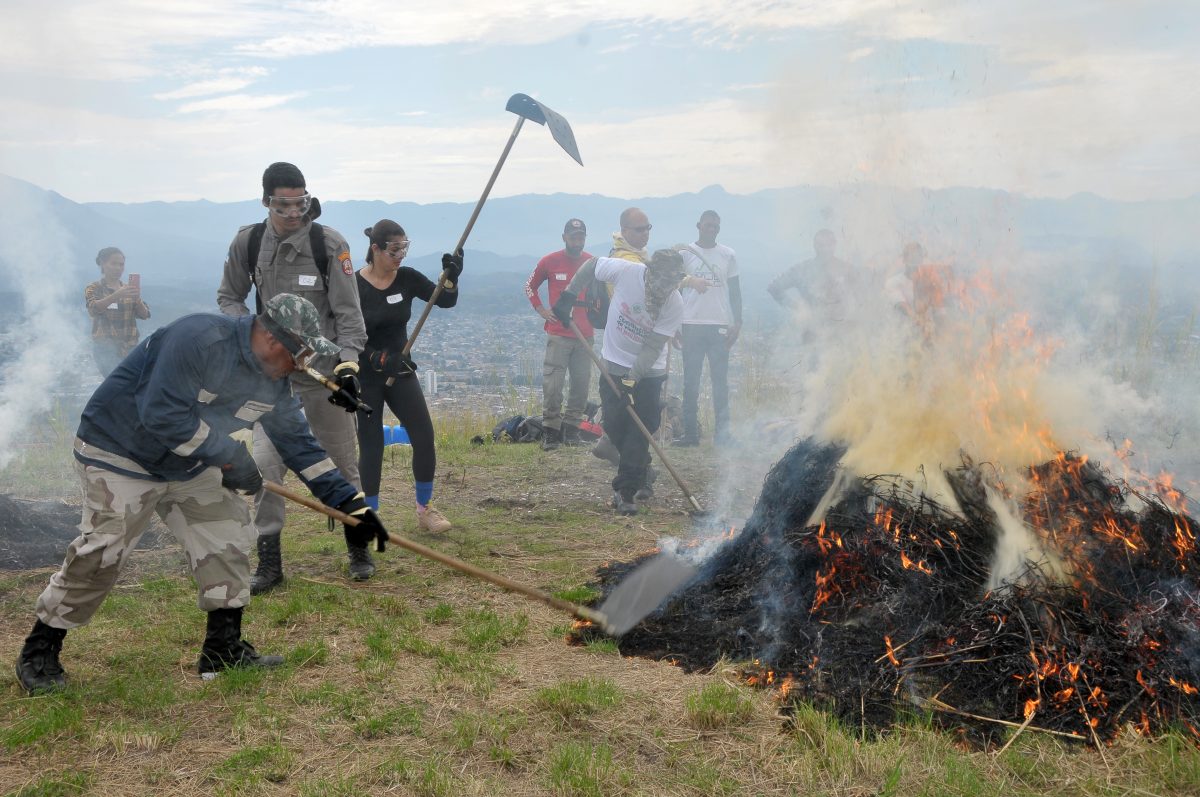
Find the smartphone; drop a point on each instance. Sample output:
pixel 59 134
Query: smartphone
pixel 135 281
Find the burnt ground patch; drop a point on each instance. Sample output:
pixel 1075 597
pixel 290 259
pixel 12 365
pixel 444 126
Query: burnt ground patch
pixel 35 534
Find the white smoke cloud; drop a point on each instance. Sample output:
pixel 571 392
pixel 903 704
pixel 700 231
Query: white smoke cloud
pixel 35 254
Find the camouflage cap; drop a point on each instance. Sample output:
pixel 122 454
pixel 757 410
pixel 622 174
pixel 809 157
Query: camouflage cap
pixel 295 323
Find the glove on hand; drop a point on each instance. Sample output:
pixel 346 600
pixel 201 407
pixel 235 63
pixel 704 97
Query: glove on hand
pixel 452 264
pixel 563 306
pixel 627 385
pixel 349 390
pixel 241 474
pixel 369 527
pixel 389 362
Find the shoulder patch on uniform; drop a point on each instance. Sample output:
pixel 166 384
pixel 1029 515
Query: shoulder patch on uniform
pixel 347 266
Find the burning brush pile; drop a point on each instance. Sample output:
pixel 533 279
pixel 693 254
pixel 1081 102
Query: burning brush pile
pixel 870 599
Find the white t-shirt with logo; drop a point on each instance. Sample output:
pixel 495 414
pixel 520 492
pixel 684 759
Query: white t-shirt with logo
pixel 715 266
pixel 628 322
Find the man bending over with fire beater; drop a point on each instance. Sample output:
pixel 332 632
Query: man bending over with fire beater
pixel 644 313
pixel 155 438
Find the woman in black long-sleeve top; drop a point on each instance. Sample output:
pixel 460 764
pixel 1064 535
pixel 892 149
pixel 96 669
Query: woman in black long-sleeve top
pixel 386 291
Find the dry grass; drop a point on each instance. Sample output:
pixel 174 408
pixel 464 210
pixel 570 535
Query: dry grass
pixel 423 681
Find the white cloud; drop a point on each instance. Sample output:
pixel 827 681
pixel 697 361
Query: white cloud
pixel 228 81
pixel 240 102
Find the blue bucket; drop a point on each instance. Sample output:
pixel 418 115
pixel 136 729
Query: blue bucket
pixel 400 435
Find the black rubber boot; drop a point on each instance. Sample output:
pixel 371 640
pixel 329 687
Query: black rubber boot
pixel 38 668
pixel 362 566
pixel 269 574
pixel 570 435
pixel 225 648
pixel 624 504
pixel 551 439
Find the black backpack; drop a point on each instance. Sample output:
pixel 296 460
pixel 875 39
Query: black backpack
pixel 316 240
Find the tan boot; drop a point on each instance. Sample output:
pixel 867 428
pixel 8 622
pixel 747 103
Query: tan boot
pixel 432 521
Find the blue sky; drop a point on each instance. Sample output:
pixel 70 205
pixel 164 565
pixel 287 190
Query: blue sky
pixel 135 100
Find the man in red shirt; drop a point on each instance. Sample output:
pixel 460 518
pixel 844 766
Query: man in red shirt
pixel 565 354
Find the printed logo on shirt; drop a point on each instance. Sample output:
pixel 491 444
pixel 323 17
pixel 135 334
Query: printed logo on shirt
pixel 347 266
pixel 307 280
pixel 395 298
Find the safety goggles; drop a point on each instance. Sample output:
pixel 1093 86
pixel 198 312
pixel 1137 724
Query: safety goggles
pixel 398 249
pixel 289 206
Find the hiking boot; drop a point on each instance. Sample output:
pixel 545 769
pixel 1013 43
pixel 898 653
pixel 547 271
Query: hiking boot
pixel 604 449
pixel 362 566
pixel 551 438
pixel 646 491
pixel 225 648
pixel 432 521
pixel 38 668
pixel 570 435
pixel 269 574
pixel 623 505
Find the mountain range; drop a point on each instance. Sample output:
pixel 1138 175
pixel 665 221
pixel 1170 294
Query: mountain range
pixel 179 247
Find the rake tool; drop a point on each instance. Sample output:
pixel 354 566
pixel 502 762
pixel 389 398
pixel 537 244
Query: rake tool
pixel 697 510
pixel 638 595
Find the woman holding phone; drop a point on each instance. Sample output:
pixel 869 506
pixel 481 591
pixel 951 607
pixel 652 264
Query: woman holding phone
pixel 386 291
pixel 114 308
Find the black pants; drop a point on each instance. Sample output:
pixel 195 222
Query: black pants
pixel 406 400
pixel 624 434
pixel 700 341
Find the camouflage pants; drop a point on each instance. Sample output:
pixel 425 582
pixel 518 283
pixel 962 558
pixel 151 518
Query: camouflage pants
pixel 211 523
pixel 334 429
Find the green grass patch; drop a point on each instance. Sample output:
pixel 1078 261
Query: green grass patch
pixel 572 699
pixel 63 785
pixel 44 719
pixel 250 767
pixel 582 769
pixel 719 705
pixel 484 630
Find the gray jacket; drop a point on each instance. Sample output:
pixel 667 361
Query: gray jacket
pixel 287 266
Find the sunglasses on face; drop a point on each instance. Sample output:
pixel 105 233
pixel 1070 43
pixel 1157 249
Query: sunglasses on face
pixel 642 228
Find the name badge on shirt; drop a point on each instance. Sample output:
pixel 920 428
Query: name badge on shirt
pixel 560 277
pixel 395 298
pixel 308 280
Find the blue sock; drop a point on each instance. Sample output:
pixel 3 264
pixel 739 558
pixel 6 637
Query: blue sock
pixel 373 502
pixel 424 492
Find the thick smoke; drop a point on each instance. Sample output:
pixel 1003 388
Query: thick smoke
pixel 40 341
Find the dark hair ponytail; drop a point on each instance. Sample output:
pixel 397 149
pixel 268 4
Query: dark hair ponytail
pixel 379 234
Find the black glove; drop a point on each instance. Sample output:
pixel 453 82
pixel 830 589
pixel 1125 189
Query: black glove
pixel 369 527
pixel 452 264
pixel 349 390
pixel 241 474
pixel 563 306
pixel 389 362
